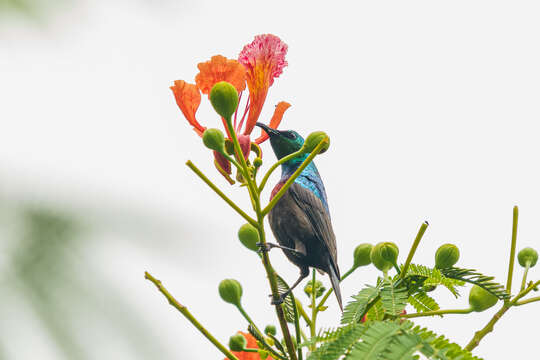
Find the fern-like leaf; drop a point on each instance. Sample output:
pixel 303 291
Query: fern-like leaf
pixel 423 302
pixel 376 312
pixel 404 347
pixel 393 299
pixel 346 337
pixel 434 277
pixel 374 341
pixel 356 308
pixel 473 277
pixel 288 302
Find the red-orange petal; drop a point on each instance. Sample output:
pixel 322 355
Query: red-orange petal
pixel 188 99
pixel 217 69
pixel 251 344
pixel 275 121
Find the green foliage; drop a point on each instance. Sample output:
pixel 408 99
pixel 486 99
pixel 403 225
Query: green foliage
pixel 422 302
pixel 393 298
pixel 375 312
pixel 342 341
pixel 288 302
pixel 355 309
pixel 433 277
pixel 473 277
pixel 375 341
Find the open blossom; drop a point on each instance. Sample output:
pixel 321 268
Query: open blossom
pixel 258 64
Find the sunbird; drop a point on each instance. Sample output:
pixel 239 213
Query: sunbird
pixel 300 220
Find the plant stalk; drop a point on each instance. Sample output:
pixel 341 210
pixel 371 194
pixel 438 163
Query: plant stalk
pixel 414 246
pixel 184 311
pixel 436 312
pixel 512 250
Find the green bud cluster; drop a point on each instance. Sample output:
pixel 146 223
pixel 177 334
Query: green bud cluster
pixel 230 291
pixel 313 140
pixel 270 330
pixel 319 288
pixel 384 255
pixel 362 255
pixel 527 256
pixel 447 255
pixel 480 299
pixel 249 236
pixel 224 99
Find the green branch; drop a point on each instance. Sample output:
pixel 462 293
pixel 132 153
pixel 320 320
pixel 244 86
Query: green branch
pixel 436 312
pixel 414 246
pixel 527 301
pixel 512 251
pixel 220 193
pixel 293 177
pixel 184 311
pixel 274 167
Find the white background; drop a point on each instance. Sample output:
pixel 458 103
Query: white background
pixel 432 109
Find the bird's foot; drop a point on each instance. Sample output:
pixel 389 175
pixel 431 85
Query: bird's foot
pixel 279 300
pixel 263 247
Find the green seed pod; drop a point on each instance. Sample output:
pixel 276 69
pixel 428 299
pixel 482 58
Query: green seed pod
pixel 319 288
pixel 446 256
pixel 230 291
pixel 527 255
pixel 249 236
pixel 362 255
pixel 214 139
pixel 224 99
pixel 390 251
pixel 313 140
pixel 237 342
pixel 480 299
pixel 263 354
pixel 257 162
pixel 270 330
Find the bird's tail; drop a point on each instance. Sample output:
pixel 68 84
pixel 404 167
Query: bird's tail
pixel 334 279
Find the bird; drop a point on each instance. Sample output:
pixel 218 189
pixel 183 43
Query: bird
pixel 300 220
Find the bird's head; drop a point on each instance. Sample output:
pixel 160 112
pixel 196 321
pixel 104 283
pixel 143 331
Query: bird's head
pixel 284 142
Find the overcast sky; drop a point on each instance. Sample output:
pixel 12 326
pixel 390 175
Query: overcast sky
pixel 432 109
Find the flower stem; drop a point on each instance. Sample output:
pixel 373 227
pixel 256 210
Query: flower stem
pixel 512 250
pixel 527 301
pixel 303 313
pixel 184 311
pixel 524 281
pixel 297 328
pixel 436 312
pixel 414 246
pixel 246 316
pixel 313 328
pixel 274 167
pixel 293 177
pixel 220 193
pixel 480 334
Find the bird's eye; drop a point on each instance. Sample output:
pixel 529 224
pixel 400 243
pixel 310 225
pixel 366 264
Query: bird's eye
pixel 291 135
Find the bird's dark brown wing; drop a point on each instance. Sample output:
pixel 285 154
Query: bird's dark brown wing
pixel 314 209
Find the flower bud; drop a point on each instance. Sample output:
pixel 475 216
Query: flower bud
pixel 313 140
pixel 214 139
pixel 224 99
pixel 237 342
pixel 230 291
pixel 447 255
pixel 249 236
pixel 527 255
pixel 270 330
pixel 319 288
pixel 480 299
pixel 257 162
pixel 362 255
pixel 383 255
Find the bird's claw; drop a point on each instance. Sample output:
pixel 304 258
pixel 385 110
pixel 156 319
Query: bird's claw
pixel 263 247
pixel 277 301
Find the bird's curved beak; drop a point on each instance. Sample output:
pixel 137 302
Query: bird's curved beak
pixel 267 129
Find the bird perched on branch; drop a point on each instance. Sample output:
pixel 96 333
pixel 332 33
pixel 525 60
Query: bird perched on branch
pixel 300 220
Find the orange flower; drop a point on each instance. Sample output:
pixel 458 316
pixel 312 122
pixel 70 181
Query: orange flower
pixel 251 344
pixel 217 69
pixel 258 64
